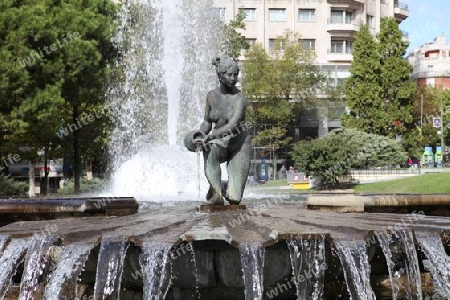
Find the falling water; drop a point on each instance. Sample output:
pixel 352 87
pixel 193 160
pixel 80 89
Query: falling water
pixel 63 281
pixel 36 267
pixel 3 241
pixel 109 268
pixel 401 258
pixel 308 266
pixel 155 263
pixel 8 262
pixel 159 95
pixel 252 261
pixel 439 260
pixel 355 264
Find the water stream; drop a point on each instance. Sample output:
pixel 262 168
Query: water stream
pixel 36 266
pixel 109 268
pixel 355 264
pixel 9 261
pixel 3 241
pixel 401 258
pixel 439 262
pixel 308 266
pixel 166 48
pixel 252 261
pixel 63 280
pixel 156 269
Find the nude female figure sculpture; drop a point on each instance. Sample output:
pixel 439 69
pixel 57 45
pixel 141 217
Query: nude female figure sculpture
pixel 223 136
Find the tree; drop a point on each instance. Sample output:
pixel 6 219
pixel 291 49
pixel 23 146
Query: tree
pixel 235 42
pixel 55 70
pixel 378 92
pixel 273 82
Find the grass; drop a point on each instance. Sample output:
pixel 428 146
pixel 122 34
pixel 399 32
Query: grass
pixel 423 184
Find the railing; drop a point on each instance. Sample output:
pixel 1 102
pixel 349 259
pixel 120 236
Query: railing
pixel 401 5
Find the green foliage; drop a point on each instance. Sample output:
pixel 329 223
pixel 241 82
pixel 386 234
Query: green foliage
pixel 11 187
pixel 87 186
pixel 334 155
pixel 378 92
pixel 273 82
pixel 53 70
pixel 234 40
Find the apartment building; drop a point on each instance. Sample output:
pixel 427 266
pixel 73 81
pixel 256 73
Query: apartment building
pixel 326 26
pixel 431 63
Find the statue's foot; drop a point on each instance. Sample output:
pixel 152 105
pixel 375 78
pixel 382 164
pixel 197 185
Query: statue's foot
pixel 215 200
pixel 233 202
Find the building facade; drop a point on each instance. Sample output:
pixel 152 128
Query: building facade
pixel 326 26
pixel 431 63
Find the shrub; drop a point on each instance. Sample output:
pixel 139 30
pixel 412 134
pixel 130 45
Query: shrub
pixel 86 186
pixel 11 187
pixel 334 155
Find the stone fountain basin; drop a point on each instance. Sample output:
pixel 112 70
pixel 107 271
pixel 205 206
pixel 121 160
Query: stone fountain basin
pixel 216 238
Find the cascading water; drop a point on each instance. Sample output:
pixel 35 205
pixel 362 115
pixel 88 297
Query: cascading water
pixel 167 47
pixel 8 262
pixel 252 261
pixel 355 264
pixel 307 260
pixel 155 264
pixel 439 262
pixel 3 241
pixel 37 265
pixel 63 281
pixel 401 258
pixel 110 267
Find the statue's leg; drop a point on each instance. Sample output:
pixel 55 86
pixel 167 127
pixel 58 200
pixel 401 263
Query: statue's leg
pixel 213 173
pixel 238 168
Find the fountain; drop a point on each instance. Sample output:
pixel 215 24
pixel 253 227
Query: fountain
pixel 103 248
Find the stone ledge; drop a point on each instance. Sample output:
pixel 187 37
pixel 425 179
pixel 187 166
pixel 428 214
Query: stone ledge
pixel 13 210
pixel 336 203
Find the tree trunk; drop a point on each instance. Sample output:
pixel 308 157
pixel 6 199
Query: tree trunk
pixel 46 172
pixel 275 171
pixel 323 120
pixel 31 178
pixel 76 153
pixel 88 163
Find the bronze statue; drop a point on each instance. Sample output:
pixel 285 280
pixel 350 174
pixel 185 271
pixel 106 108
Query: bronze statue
pixel 228 141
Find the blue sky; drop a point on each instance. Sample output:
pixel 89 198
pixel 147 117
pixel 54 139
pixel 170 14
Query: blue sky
pixel 427 19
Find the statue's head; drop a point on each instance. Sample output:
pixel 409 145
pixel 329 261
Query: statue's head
pixel 223 65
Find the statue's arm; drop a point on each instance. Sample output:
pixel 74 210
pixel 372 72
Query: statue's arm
pixel 235 121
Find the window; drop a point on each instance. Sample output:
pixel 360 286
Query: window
pixel 306 15
pixel 341 17
pixel 277 14
pixel 340 46
pixel 274 44
pixel 308 44
pixel 251 42
pixel 250 14
pixel 220 13
pixel 369 21
pixel 430 68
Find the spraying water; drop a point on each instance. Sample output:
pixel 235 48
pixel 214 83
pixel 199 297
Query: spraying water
pixel 8 262
pixel 167 47
pixel 252 260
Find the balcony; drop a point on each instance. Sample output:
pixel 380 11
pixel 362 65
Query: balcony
pixel 351 3
pixel 401 11
pixel 344 28
pixel 339 57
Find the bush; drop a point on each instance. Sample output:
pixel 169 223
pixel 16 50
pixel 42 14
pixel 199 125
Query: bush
pixel 334 155
pixel 11 187
pixel 86 186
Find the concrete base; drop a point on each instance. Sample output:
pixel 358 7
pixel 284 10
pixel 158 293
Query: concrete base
pixel 336 203
pixel 13 210
pixel 218 208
